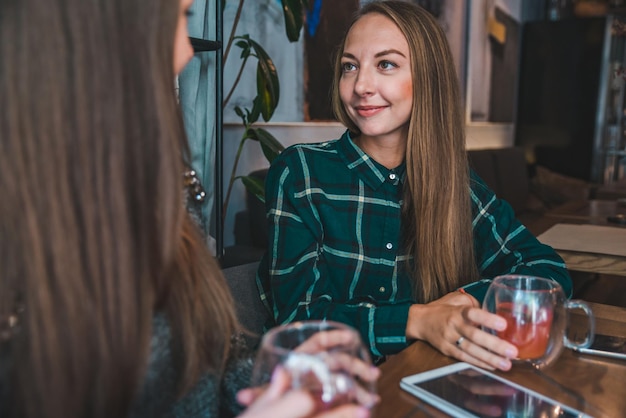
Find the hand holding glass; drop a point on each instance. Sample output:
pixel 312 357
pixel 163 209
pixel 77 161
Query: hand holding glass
pixel 536 311
pixel 325 358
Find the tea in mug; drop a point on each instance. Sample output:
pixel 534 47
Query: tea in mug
pixel 535 310
pixel 528 329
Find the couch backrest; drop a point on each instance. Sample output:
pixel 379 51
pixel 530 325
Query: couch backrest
pixel 506 172
pixel 250 310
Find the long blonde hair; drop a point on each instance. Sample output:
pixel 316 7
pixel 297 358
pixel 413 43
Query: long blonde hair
pixel 94 235
pixel 436 213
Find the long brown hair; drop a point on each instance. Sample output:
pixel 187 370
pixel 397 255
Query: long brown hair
pixel 94 235
pixel 436 213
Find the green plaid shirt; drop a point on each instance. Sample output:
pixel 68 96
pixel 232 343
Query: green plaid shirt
pixel 334 243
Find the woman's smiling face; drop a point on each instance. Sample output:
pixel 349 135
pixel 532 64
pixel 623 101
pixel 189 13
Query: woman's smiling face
pixel 376 86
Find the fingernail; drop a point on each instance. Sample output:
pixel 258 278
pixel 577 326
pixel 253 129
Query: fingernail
pixel 504 365
pixel 275 373
pixel 500 324
pixel 510 352
pixel 362 413
pixel 370 401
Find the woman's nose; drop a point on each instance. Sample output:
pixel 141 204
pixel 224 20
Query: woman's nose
pixel 364 83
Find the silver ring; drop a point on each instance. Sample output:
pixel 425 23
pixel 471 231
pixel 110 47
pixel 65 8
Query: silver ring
pixel 459 341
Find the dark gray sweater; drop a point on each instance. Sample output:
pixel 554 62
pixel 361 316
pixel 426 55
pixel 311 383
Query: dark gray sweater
pixel 213 396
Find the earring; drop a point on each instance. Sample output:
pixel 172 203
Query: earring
pixel 194 187
pixel 9 324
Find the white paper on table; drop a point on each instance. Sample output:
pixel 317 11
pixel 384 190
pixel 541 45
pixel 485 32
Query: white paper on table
pixel 586 238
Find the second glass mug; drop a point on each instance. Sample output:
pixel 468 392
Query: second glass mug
pixel 317 361
pixel 537 315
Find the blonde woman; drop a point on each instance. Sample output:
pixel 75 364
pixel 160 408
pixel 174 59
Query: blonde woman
pixel 386 228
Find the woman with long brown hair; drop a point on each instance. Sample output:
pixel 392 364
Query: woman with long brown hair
pixel 110 304
pixel 380 228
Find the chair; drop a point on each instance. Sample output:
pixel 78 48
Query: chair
pixel 250 310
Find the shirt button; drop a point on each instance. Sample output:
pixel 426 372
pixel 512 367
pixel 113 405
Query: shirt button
pixel 392 176
pixel 381 289
pixel 389 246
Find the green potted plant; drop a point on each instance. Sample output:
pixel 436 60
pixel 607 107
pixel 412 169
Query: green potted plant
pixel 267 92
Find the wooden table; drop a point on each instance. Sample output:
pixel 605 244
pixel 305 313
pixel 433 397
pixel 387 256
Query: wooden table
pixel 614 190
pixel 592 384
pixel 592 212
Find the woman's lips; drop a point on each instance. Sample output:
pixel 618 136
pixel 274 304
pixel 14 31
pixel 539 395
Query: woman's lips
pixel 367 111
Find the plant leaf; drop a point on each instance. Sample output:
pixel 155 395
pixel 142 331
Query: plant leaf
pixel 294 18
pixel 264 98
pixel 253 116
pixel 268 88
pixel 240 113
pixel 269 144
pixel 244 44
pixel 254 185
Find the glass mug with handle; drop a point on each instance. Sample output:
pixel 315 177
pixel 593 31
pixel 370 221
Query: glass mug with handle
pixel 537 315
pixel 322 357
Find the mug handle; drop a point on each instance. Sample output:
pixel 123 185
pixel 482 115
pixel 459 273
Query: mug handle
pixel 579 304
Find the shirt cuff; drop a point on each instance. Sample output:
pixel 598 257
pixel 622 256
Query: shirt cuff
pixel 478 289
pixel 388 330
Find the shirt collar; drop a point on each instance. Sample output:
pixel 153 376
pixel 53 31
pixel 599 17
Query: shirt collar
pixel 371 172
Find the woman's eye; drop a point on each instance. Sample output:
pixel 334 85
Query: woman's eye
pixel 347 66
pixel 387 65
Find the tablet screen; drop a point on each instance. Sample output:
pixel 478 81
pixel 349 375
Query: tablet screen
pixel 609 343
pixel 484 396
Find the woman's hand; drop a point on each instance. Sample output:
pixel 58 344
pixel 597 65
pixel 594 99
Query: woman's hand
pixel 278 401
pixel 459 298
pixel 353 366
pixel 452 325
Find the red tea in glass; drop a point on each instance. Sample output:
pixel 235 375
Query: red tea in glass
pixel 528 329
pixel 536 312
